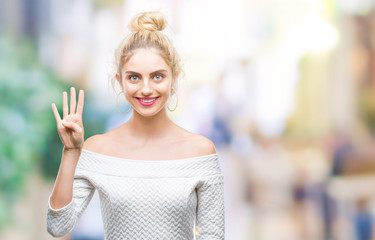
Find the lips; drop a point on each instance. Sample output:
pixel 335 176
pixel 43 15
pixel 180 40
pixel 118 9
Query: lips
pixel 147 101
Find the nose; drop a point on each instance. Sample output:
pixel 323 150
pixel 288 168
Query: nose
pixel 146 88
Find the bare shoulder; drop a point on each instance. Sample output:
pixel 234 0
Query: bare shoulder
pixel 100 142
pixel 194 144
pixel 201 145
pixel 94 142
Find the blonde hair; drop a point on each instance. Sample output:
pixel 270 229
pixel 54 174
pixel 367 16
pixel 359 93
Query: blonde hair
pixel 146 30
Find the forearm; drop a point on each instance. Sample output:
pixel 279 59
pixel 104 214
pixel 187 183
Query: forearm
pixel 210 222
pixel 62 193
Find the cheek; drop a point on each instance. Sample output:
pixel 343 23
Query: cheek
pixel 164 87
pixel 129 89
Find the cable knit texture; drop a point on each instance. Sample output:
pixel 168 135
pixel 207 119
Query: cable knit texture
pixel 180 199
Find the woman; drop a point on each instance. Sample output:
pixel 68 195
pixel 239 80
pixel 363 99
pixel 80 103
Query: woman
pixel 155 179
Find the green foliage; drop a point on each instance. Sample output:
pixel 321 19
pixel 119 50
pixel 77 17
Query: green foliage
pixel 26 91
pixel 367 108
pixel 29 141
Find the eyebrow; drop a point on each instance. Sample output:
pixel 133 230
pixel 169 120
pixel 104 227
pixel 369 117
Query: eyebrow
pixel 136 73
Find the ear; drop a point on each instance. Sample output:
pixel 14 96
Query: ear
pixel 174 80
pixel 119 80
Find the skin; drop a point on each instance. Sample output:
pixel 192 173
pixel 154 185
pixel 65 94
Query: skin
pixel 71 133
pixel 148 134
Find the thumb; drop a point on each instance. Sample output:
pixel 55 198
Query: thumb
pixel 73 126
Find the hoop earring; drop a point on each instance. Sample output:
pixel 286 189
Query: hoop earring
pixel 173 94
pixel 119 108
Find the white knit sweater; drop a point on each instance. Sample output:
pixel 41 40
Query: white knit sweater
pixel 147 199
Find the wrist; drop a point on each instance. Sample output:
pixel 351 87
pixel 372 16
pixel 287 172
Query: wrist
pixel 72 150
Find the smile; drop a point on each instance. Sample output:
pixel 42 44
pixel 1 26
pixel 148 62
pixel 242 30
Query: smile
pixel 147 101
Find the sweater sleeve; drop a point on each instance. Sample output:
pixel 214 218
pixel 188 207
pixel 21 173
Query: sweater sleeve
pixel 62 221
pixel 210 209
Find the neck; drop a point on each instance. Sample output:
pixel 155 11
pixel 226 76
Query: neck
pixel 154 126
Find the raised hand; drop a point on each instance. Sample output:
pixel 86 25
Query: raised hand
pixel 70 128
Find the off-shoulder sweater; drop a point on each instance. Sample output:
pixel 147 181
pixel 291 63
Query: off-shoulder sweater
pixel 180 199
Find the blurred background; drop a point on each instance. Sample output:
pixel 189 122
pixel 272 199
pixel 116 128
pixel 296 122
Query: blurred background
pixel 284 88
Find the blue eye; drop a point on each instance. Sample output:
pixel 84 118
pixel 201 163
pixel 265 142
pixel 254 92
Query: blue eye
pixel 133 78
pixel 158 77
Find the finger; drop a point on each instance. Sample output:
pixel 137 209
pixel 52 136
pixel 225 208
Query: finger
pixel 56 113
pixel 81 99
pixel 72 100
pixel 65 104
pixel 73 126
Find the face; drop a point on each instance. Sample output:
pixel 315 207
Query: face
pixel 146 81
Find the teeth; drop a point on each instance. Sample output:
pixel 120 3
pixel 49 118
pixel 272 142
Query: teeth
pixel 148 100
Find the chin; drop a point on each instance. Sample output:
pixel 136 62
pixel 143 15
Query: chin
pixel 148 112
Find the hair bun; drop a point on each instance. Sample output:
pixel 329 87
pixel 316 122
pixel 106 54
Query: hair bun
pixel 150 21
